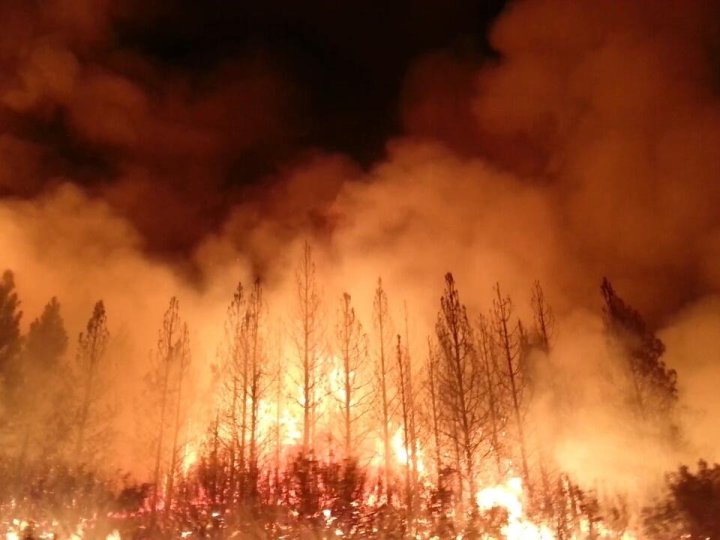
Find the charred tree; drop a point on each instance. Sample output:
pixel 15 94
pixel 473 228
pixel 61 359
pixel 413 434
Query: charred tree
pixel 405 409
pixel 511 341
pixel 497 416
pixel 234 373
pixel 307 342
pixel 255 361
pixel 161 383
pixel 352 345
pixel 434 399
pixel 383 370
pixel 543 318
pixel 460 383
pixel 181 361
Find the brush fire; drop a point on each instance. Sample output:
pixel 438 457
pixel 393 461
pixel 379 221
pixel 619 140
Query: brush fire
pixel 276 270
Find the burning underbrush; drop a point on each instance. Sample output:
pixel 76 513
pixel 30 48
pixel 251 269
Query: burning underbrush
pixel 310 498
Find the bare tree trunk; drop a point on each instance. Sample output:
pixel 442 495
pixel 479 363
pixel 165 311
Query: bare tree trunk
pixel 434 410
pixel 255 309
pixel 242 457
pixel 167 350
pixel 412 431
pixel 308 311
pixel 380 312
pixel 345 343
pixel 234 436
pixel 182 360
pixel 405 421
pixel 487 353
pixel 215 462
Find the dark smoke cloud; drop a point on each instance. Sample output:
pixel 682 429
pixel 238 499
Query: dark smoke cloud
pixel 614 110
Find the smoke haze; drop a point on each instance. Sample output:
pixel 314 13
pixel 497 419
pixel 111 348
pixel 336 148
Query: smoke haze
pixel 584 146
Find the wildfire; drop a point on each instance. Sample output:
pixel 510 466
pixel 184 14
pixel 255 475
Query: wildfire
pixel 401 454
pixel 190 457
pixel 509 496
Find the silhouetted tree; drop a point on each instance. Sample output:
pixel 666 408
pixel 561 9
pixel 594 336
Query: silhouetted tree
pixel 308 342
pixel 163 379
pixel 352 346
pixel 382 324
pixel 47 413
pixel 510 340
pixel 254 349
pixel 460 383
pixel 10 341
pixel 234 374
pixel 691 508
pixel 93 383
pixel 433 366
pixel 47 339
pixel 181 362
pixel 654 385
pixel 492 379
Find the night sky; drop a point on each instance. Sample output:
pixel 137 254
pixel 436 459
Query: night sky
pixel 345 62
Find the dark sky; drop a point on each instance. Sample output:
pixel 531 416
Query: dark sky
pixel 176 111
pixel 346 60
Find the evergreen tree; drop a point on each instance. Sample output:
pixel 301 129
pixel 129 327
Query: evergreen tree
pixel 92 380
pixel 654 385
pixel 691 507
pixel 10 340
pixel 460 385
pixel 165 380
pixel 512 344
pixel 47 413
pixel 47 339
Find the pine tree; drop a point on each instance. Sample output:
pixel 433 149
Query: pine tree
pixel 47 339
pixel 308 343
pixel 92 380
pixel 10 340
pixel 511 343
pixel 382 324
pixel 460 383
pixel 352 345
pixel 182 361
pixel 654 385
pixel 43 367
pixel 497 409
pixel 234 371
pixel 163 380
pixel 256 359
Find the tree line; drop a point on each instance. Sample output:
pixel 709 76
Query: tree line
pixel 321 425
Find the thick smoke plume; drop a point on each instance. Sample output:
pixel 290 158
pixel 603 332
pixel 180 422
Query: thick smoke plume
pixel 587 147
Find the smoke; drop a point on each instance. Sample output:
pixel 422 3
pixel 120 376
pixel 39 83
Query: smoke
pixel 588 147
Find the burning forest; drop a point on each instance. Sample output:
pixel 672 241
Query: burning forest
pixel 313 271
